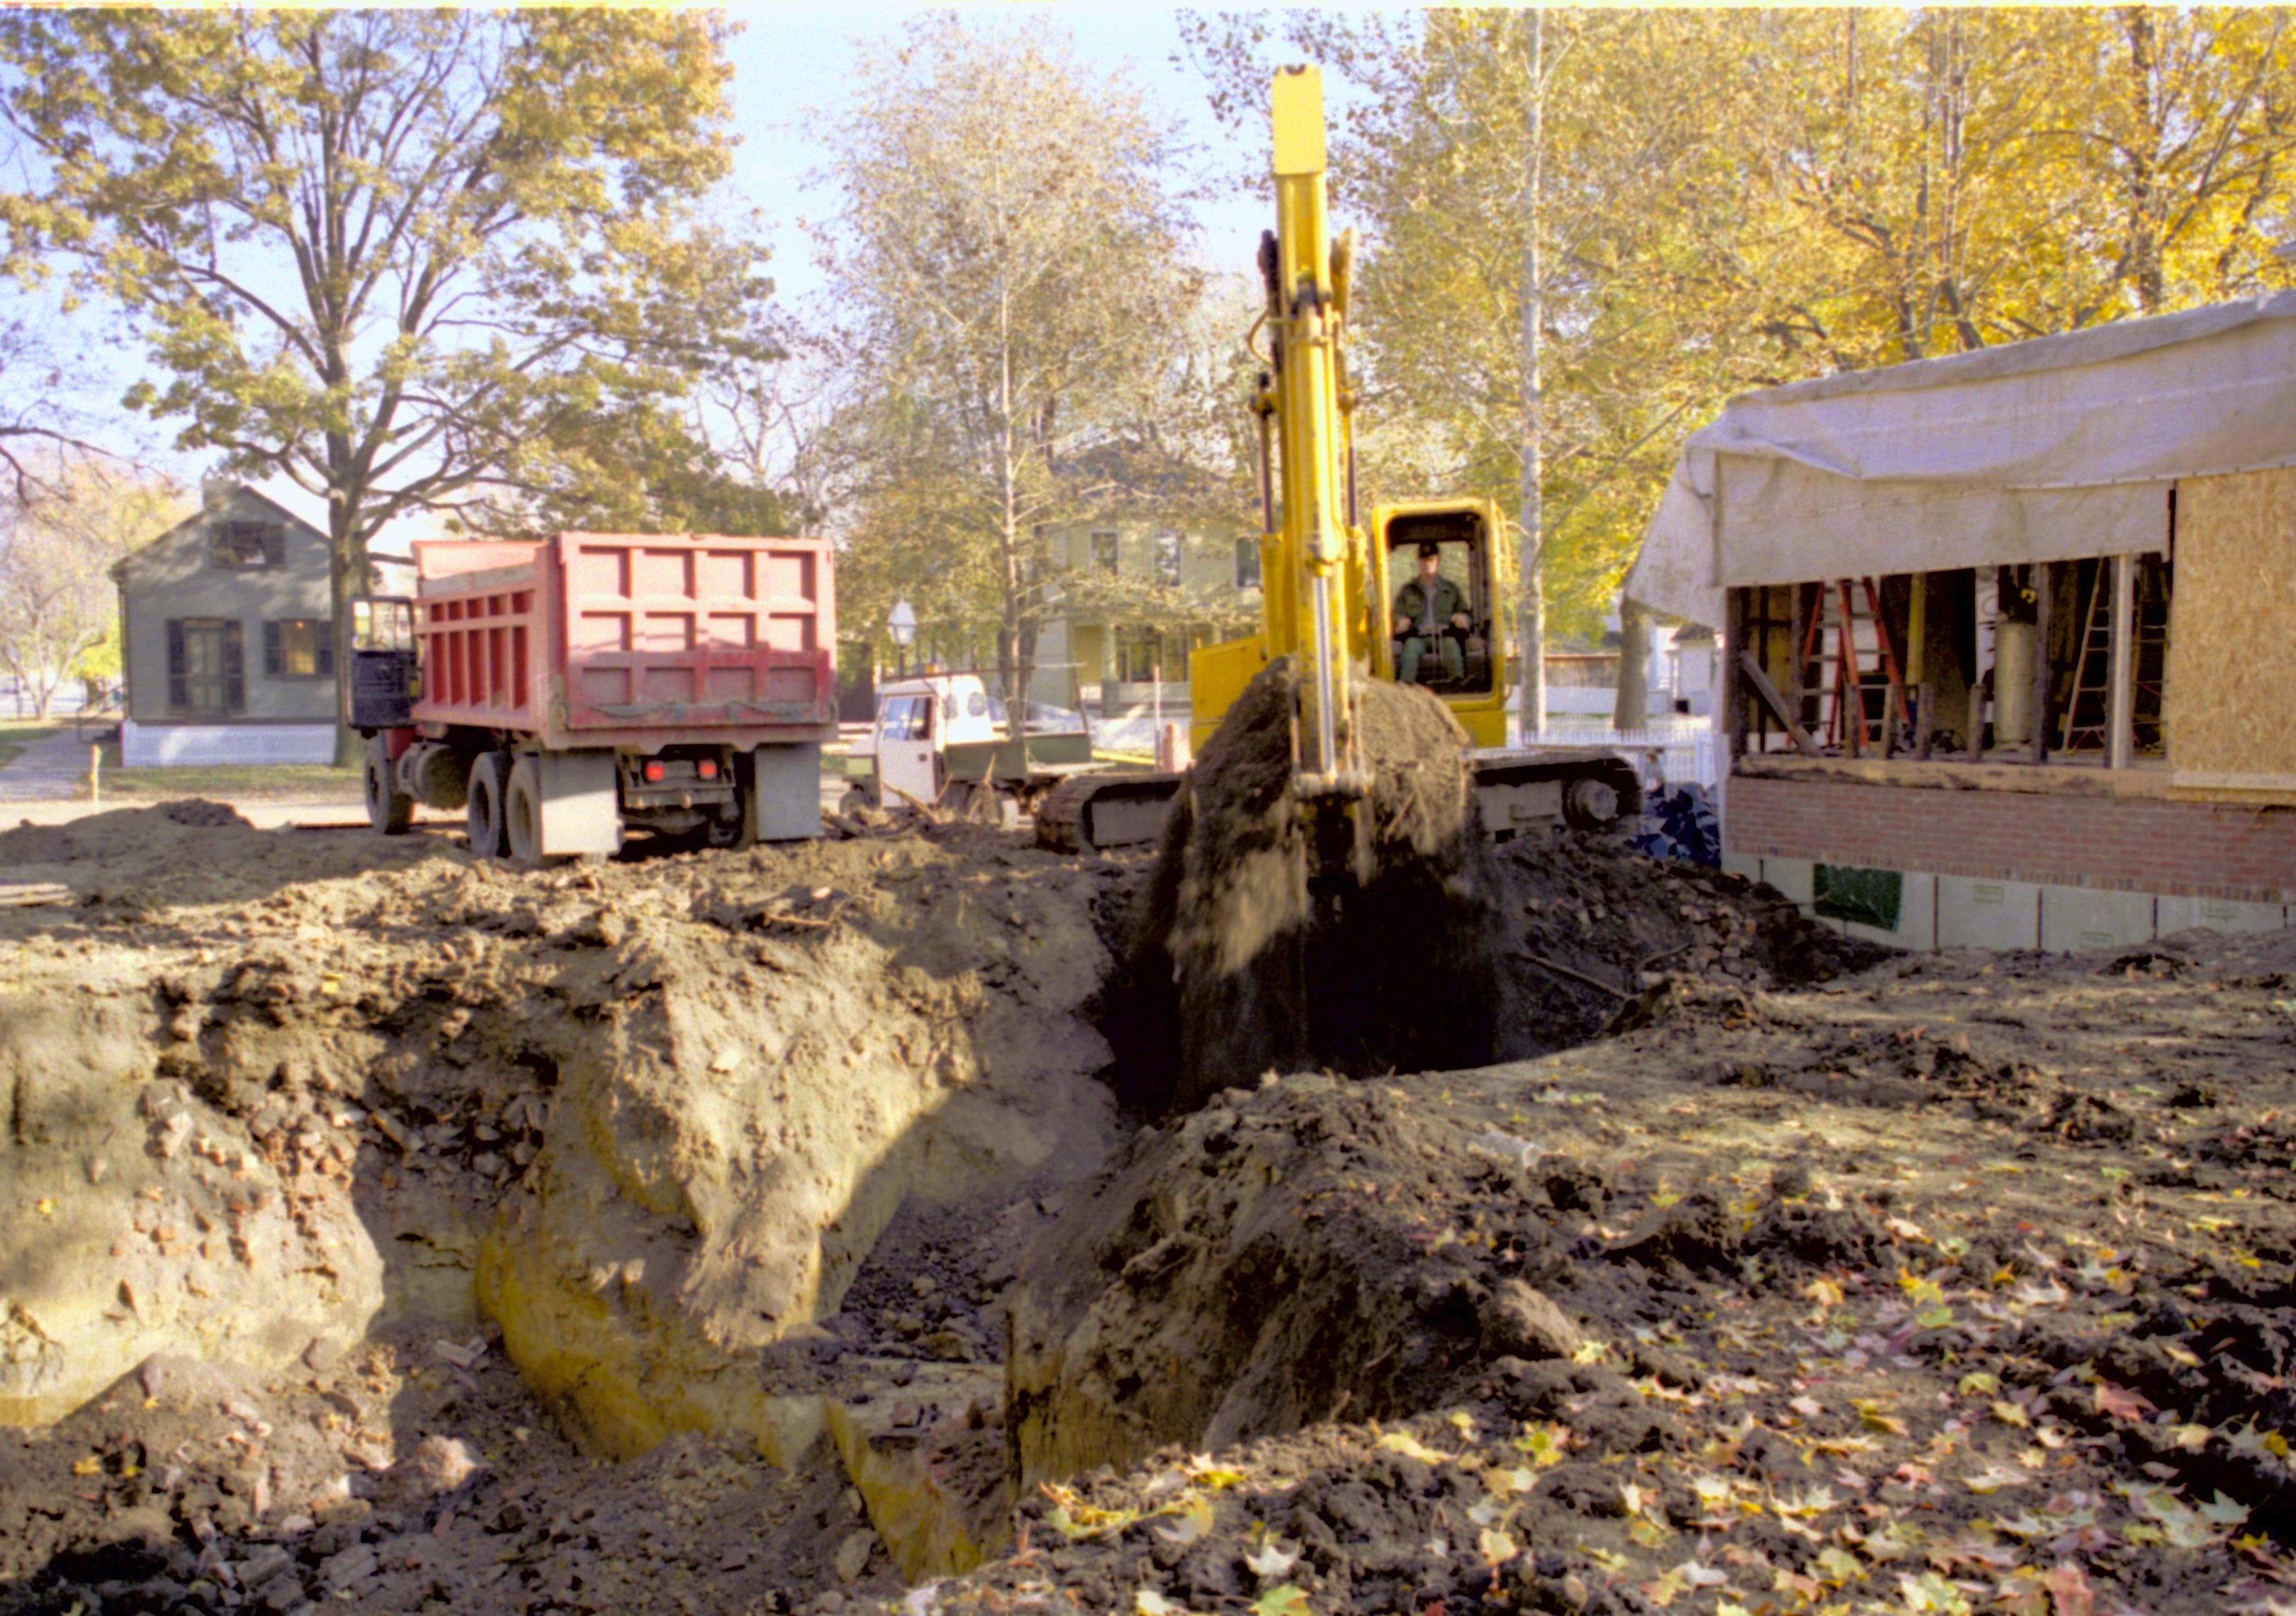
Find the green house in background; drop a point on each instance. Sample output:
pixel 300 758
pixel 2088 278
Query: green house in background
pixel 228 638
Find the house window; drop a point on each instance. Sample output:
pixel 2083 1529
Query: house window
pixel 1247 563
pixel 299 648
pixel 207 676
pixel 1139 654
pixel 246 546
pixel 1167 560
pixel 1104 551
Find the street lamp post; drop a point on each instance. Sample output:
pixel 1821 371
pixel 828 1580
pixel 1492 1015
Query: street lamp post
pixel 902 625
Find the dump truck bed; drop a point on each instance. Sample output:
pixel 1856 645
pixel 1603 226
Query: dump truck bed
pixel 599 639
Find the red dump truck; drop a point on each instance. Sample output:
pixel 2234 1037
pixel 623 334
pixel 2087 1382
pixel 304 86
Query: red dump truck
pixel 566 691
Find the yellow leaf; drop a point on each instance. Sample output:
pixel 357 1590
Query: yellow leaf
pixel 1590 1352
pixel 1189 1522
pixel 1545 1444
pixel 1649 1533
pixel 1978 1384
pixel 2012 1414
pixel 88 1466
pixel 1410 1446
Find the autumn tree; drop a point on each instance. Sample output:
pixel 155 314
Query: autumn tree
pixel 403 258
pixel 1537 304
pixel 58 544
pixel 1005 262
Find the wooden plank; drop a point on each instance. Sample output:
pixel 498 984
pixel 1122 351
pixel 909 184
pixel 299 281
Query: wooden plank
pixel 1768 691
pixel 2057 781
pixel 1734 699
pixel 2044 578
pixel 2121 698
pixel 2232 635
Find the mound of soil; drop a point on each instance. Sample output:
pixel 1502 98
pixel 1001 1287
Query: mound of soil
pixel 646 1121
pixel 1962 1285
pixel 1269 945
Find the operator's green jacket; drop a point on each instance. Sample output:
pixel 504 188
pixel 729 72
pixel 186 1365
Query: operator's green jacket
pixel 1411 600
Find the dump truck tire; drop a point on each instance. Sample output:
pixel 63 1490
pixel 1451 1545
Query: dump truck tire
pixel 389 809
pixel 521 814
pixel 485 808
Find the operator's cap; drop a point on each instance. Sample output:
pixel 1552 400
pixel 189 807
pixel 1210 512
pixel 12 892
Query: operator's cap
pixel 1428 547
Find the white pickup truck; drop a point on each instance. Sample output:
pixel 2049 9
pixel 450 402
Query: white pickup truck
pixel 941 739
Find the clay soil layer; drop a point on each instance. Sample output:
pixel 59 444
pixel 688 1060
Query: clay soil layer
pixel 760 1232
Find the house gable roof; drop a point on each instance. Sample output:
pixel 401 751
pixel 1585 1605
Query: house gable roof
pixel 167 536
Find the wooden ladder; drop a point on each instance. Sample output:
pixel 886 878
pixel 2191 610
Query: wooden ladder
pixel 2096 654
pixel 1830 645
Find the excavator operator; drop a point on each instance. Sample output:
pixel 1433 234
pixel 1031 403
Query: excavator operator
pixel 1431 614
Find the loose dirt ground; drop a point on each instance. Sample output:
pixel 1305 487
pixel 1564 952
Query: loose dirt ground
pixel 1791 1277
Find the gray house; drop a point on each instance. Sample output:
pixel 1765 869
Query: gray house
pixel 228 638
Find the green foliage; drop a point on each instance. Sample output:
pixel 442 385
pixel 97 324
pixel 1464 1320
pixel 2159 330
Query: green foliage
pixel 1009 289
pixel 1732 199
pixel 407 259
pixel 59 607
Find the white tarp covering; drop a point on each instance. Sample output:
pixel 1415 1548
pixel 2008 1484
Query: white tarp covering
pixel 2048 450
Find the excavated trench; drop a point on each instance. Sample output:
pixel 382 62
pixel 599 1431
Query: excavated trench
pixel 329 1157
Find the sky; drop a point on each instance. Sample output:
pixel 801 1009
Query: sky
pixel 788 59
pixel 791 58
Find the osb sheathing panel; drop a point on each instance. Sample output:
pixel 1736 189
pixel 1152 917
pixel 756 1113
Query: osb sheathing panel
pixel 2232 630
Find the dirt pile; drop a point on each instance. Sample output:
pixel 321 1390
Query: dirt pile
pixel 1961 1285
pixel 1244 965
pixel 279 1097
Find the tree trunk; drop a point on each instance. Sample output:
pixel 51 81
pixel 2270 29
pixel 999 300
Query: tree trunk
pixel 1632 710
pixel 1530 625
pixel 347 581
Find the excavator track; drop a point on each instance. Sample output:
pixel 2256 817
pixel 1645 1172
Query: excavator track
pixel 1094 813
pixel 1587 787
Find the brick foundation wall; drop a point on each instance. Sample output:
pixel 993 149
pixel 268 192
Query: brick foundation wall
pixel 2136 844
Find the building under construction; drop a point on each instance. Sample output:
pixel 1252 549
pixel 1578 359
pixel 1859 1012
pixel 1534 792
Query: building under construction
pixel 2011 636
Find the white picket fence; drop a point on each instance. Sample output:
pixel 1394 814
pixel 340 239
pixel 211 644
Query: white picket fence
pixel 1677 753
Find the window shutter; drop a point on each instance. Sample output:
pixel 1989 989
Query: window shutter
pixel 179 695
pixel 274 545
pixel 275 657
pixel 234 667
pixel 325 634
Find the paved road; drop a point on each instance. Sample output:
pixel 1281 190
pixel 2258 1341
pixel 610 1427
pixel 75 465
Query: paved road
pixel 53 769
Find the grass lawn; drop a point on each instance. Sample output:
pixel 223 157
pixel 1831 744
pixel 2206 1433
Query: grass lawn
pixel 239 782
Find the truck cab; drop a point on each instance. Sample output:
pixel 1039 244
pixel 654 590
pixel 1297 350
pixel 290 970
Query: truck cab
pixel 941 739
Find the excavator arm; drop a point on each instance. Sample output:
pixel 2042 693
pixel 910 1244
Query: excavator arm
pixel 1313 592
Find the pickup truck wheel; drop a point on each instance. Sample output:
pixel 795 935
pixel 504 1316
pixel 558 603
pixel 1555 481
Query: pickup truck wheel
pixel 389 809
pixel 522 813
pixel 485 807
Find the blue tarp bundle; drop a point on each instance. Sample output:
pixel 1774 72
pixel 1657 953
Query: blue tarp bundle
pixel 1678 821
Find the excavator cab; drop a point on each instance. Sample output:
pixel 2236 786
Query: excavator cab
pixel 1469 536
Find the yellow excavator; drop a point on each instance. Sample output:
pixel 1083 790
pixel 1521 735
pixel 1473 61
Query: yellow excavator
pixel 1329 583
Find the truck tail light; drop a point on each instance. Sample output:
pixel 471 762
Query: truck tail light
pixel 655 774
pixel 707 768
